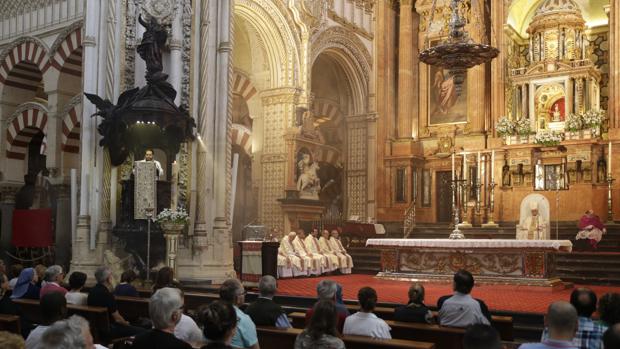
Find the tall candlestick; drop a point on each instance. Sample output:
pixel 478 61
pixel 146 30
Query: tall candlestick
pixel 465 168
pixel 493 166
pixel 452 166
pixel 479 168
pixel 609 160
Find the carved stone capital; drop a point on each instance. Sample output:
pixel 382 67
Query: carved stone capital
pixel 280 95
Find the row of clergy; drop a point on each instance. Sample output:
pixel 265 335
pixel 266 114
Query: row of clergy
pixel 301 255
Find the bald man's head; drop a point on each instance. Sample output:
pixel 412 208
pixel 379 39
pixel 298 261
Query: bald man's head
pixel 611 339
pixel 561 320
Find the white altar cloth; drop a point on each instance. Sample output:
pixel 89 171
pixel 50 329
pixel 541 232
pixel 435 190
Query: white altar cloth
pixel 564 245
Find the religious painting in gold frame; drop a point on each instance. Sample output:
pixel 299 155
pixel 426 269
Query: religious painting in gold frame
pixel 445 106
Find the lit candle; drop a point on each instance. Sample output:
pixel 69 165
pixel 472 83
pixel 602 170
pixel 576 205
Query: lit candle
pixel 453 167
pixel 609 160
pixel 465 167
pixel 493 166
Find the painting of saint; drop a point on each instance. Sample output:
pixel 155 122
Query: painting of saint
pixel 445 105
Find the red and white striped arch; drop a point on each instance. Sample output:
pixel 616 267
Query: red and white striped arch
pixel 243 86
pixel 71 130
pixel 22 128
pixel 328 110
pixel 242 136
pixel 72 43
pixel 30 51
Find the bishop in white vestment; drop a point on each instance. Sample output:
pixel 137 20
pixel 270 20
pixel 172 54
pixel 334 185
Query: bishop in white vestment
pixel 534 226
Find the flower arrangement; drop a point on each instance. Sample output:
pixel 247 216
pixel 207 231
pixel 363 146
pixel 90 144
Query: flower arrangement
pixel 593 118
pixel 548 138
pixel 178 216
pixel 574 122
pixel 505 127
pixel 522 126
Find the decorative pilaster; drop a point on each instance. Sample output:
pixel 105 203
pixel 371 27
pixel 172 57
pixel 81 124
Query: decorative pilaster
pixel 613 12
pixel 356 173
pixel 405 70
pixel 7 205
pixel 498 65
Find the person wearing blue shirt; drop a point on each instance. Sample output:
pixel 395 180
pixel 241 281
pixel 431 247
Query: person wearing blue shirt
pixel 561 321
pixel 233 292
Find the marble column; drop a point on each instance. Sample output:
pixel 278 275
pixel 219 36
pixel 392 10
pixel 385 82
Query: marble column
pixel 613 12
pixel 405 70
pixel 7 205
pixel 62 239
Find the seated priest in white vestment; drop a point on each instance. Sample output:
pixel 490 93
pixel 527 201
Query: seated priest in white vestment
pixel 312 245
pixel 346 262
pixel 326 249
pixel 534 226
pixel 290 258
pixel 314 260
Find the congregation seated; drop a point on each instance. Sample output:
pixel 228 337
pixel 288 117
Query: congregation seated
pixel 233 293
pixel 461 309
pixel 11 340
pixel 340 306
pixel 16 269
pixel 72 333
pixel 589 333
pixel 125 288
pixel 611 338
pixel 165 278
pixel 101 296
pixel 53 307
pixel 264 311
pixel 609 309
pixel 365 322
pixel 326 291
pixel 75 294
pixel 321 332
pixel 26 286
pixel 481 336
pixel 561 321
pixel 40 269
pixel 53 277
pixel 8 307
pixel 415 310
pixel 220 323
pixel 165 309
pixel 312 245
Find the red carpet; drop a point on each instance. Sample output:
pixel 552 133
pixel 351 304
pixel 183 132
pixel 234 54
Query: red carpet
pixel 524 299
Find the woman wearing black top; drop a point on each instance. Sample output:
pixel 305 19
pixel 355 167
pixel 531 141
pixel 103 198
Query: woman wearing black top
pixel 220 324
pixel 415 311
pixel 165 278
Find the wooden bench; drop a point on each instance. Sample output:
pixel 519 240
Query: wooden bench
pixel 272 337
pixel 97 317
pixel 132 308
pixel 10 323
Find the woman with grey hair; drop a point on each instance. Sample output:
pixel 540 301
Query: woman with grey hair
pixel 165 308
pixel 53 276
pixel 72 333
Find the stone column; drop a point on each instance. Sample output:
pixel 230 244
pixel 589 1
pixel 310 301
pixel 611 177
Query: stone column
pixel 7 205
pixel 176 45
pixel 405 70
pixel 498 65
pixel 613 12
pixel 62 239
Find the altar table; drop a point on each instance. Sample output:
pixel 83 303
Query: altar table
pixel 503 261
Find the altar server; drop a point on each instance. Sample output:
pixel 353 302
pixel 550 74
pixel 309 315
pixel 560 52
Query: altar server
pixel 326 249
pixel 315 260
pixel 534 226
pixel 288 258
pixel 346 262
pixel 312 245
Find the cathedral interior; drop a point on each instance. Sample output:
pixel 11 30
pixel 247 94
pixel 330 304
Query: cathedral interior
pixel 307 113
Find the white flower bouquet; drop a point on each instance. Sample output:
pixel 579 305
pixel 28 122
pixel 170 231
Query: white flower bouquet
pixel 178 216
pixel 505 127
pixel 593 118
pixel 522 126
pixel 574 122
pixel 548 138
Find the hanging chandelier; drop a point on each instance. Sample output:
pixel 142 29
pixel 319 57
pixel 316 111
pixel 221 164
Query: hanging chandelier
pixel 458 52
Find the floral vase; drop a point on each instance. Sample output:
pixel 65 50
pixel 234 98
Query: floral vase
pixel 172 231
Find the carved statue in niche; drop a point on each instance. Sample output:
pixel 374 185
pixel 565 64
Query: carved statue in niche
pixel 601 170
pixel 153 41
pixel 308 182
pixel 505 175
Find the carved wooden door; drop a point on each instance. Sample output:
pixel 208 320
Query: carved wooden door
pixel 444 196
